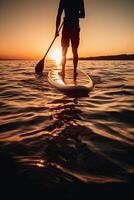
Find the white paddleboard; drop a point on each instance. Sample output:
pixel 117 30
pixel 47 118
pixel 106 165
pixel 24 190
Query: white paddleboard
pixel 83 82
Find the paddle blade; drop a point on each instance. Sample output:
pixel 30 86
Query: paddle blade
pixel 40 66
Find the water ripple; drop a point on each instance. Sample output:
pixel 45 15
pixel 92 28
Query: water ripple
pixel 87 139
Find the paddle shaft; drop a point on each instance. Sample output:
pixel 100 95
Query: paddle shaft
pixel 53 41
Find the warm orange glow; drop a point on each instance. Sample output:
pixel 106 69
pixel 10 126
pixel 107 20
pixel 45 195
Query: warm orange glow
pixel 56 55
pixel 27 33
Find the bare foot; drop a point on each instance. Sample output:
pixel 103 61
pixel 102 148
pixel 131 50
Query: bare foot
pixel 75 76
pixel 62 74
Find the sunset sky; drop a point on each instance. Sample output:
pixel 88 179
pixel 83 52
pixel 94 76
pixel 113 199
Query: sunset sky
pixel 27 28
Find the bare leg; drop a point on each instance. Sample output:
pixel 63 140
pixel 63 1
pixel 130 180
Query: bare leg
pixel 64 53
pixel 75 61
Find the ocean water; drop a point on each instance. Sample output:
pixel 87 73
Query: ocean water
pixel 73 145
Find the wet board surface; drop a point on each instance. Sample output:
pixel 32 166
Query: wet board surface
pixel 83 82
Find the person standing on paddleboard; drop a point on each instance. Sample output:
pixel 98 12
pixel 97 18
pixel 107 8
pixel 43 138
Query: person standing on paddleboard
pixel 73 9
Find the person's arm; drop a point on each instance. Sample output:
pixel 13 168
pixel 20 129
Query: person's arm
pixel 58 19
pixel 82 10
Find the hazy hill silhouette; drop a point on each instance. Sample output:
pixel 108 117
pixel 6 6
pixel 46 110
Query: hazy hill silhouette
pixel 111 57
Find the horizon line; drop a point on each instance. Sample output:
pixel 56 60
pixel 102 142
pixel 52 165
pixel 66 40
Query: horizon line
pixel 81 57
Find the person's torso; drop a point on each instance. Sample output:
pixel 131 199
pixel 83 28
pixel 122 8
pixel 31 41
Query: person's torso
pixel 71 9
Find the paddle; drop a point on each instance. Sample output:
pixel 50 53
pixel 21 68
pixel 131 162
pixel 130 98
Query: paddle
pixel 40 66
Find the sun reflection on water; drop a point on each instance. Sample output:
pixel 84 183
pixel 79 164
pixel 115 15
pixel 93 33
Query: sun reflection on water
pixel 41 163
pixel 56 55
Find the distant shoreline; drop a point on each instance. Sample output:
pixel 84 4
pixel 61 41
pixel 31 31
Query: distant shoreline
pixel 108 57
